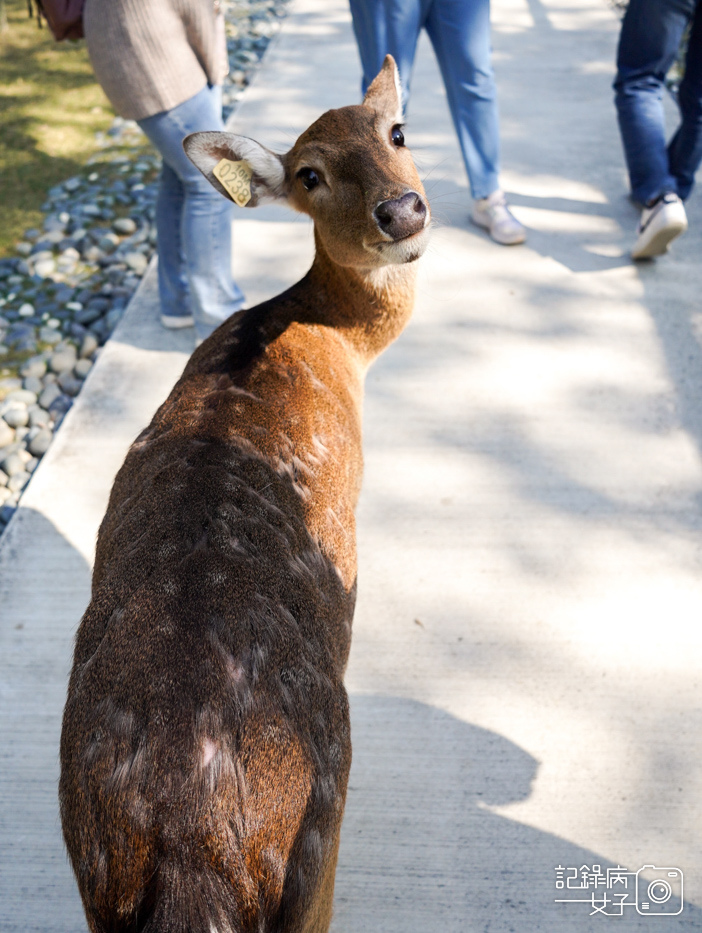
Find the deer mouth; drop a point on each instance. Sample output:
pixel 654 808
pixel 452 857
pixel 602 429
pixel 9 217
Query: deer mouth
pixel 402 250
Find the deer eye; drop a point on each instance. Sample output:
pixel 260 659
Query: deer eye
pixel 398 137
pixel 309 178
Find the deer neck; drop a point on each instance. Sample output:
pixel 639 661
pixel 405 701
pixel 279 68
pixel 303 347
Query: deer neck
pixel 369 307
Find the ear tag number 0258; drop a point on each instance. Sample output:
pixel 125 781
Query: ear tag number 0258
pixel 236 178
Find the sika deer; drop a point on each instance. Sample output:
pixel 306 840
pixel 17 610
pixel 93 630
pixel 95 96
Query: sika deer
pixel 205 749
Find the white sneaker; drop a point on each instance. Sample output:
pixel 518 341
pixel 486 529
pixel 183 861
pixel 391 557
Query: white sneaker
pixel 659 226
pixel 493 215
pixel 176 321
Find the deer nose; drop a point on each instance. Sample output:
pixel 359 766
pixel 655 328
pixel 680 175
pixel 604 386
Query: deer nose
pixel 401 217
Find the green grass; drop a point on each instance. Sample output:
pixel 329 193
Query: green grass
pixel 50 109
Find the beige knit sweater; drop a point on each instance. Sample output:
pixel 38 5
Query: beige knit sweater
pixel 151 55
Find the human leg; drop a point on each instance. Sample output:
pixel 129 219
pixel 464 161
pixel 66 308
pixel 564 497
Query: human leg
pixel 648 43
pixel 204 228
pixel 460 34
pixel 685 148
pixel 172 278
pixel 385 27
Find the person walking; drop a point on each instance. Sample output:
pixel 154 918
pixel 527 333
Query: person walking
pixel 162 63
pixel 661 176
pixel 459 31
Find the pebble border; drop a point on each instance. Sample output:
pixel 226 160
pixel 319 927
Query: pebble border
pixel 69 284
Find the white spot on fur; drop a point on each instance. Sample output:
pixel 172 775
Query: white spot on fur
pixel 209 750
pixel 235 670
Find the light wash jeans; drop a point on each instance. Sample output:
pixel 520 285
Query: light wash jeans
pixel 459 31
pixel 193 221
pixel 648 45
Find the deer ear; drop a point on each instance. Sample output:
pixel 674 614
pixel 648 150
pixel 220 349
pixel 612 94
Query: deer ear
pixel 238 167
pixel 385 93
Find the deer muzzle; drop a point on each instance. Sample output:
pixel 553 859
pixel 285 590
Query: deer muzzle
pixel 398 218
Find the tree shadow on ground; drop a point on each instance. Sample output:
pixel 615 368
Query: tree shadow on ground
pixel 422 848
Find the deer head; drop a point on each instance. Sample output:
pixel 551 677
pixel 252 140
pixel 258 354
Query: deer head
pixel 350 172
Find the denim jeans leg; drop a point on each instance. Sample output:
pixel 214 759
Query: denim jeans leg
pixel 172 279
pixel 648 43
pixel 685 148
pixel 385 27
pixel 460 33
pixel 205 217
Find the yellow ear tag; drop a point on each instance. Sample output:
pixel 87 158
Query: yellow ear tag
pixel 236 178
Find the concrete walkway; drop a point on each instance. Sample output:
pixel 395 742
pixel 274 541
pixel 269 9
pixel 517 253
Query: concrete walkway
pixel 525 673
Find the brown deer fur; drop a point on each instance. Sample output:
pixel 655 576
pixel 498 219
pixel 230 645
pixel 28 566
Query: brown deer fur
pixel 205 748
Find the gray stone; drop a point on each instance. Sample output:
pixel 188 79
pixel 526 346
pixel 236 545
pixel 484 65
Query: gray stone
pixel 124 225
pixel 24 249
pixel 7 435
pixel 12 464
pixel 73 184
pixel 3 478
pixel 17 417
pixel 38 418
pixel 82 368
pixel 49 335
pixel 62 360
pixel 59 410
pixel 31 465
pixel 5 494
pixel 109 242
pixel 9 384
pixel 33 384
pixel 70 385
pixel 17 336
pixel 99 303
pixel 40 442
pixel 137 262
pixel 93 254
pixel 45 268
pixel 42 250
pixel 54 222
pixel 88 347
pixel 22 396
pixel 18 481
pixel 88 315
pixel 113 317
pixel 34 368
pixel 49 396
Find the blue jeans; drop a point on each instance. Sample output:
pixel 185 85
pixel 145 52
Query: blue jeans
pixel 459 31
pixel 193 221
pixel 648 45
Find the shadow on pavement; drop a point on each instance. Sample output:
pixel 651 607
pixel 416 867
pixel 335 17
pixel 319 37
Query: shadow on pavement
pixel 420 838
pixel 44 589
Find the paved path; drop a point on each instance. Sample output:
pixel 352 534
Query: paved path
pixel 525 669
